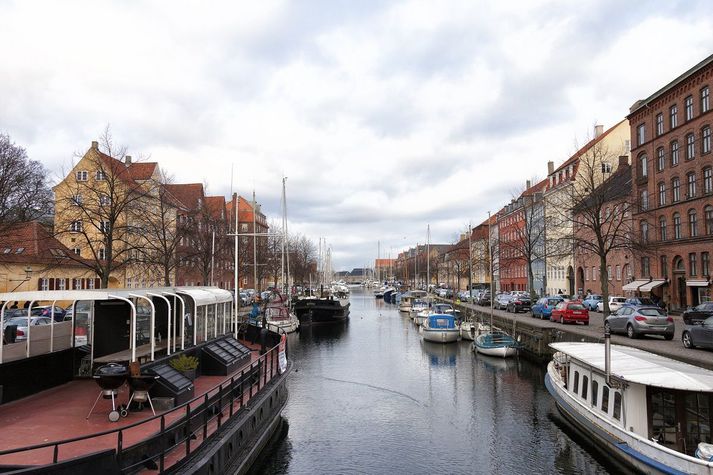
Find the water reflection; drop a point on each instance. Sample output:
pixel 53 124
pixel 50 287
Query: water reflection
pixel 372 397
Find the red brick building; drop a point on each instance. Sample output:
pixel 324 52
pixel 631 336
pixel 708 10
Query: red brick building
pixel 247 215
pixel 673 182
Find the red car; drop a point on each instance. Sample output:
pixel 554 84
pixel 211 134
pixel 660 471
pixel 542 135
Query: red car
pixel 571 311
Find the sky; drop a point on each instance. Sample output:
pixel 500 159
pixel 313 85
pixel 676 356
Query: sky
pixel 385 117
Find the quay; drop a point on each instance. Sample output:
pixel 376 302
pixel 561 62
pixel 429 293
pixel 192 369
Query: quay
pixel 536 335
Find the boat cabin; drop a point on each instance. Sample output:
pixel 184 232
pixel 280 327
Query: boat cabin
pixel 654 397
pixel 441 321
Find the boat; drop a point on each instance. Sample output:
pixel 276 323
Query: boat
pixel 646 410
pixel 440 328
pixel 278 314
pixel 469 330
pixel 318 310
pixel 68 409
pixel 379 293
pixel 435 308
pixel 388 293
pixel 417 306
pixel 409 298
pixel 495 343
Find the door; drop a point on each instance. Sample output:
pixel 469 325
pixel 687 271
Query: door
pixel 682 301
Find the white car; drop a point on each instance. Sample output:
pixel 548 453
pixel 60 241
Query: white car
pixel 615 304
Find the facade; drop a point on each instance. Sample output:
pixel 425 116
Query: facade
pixel 481 253
pixel 598 157
pixel 384 268
pixel 673 181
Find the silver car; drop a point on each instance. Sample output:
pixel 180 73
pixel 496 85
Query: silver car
pixel 637 321
pixel 21 323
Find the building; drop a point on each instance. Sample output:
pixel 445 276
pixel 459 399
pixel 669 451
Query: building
pixel 253 242
pixel 384 269
pixel 673 181
pixel 566 185
pixel 480 250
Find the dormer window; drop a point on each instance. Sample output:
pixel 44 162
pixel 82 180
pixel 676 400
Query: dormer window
pixel 82 175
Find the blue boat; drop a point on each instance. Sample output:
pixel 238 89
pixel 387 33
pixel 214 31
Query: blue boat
pixel 440 328
pixel 495 343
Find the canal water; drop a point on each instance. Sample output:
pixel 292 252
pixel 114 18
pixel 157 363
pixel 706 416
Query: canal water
pixel 370 396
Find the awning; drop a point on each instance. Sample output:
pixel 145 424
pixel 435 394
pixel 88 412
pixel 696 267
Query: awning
pixel 206 295
pixel 634 286
pixel 697 283
pixel 647 287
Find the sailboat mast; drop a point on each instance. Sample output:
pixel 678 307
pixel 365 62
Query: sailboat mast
pixel 428 257
pixel 255 243
pixel 492 294
pixel 286 236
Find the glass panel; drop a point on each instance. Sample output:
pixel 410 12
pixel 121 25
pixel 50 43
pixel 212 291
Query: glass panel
pixel 617 405
pixel 663 417
pixel 605 399
pixel 595 392
pixel 576 382
pixel 698 420
pixel 199 324
pixel 585 386
pixel 210 309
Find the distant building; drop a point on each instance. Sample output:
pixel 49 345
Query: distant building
pixel 251 220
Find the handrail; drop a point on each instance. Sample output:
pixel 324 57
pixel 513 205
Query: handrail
pixel 144 421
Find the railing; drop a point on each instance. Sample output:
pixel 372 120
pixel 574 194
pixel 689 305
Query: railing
pixel 178 432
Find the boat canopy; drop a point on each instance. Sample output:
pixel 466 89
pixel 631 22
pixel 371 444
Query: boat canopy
pixel 641 367
pixel 441 321
pixel 206 295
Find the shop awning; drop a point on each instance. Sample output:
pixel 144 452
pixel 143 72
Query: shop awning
pixel 649 286
pixel 697 283
pixel 634 286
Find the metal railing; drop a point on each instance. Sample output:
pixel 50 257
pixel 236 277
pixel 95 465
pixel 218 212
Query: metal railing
pixel 189 425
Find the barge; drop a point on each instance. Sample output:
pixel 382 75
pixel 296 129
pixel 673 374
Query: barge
pixel 57 413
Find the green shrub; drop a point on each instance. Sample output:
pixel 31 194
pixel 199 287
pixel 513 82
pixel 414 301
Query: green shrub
pixel 184 362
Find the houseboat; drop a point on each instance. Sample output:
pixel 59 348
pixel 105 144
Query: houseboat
pixel 75 393
pixel 649 411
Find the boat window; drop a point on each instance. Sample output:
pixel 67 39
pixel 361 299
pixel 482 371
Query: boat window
pixel 576 382
pixel 617 405
pixel 585 386
pixel 698 420
pixel 662 418
pixel 595 392
pixel 605 399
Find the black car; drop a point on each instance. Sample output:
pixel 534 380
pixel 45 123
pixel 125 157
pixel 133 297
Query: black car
pixel 519 303
pixel 698 314
pixel 699 334
pixel 484 299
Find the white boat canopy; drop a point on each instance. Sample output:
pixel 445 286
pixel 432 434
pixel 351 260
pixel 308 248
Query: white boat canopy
pixel 649 286
pixel 634 286
pixel 206 296
pixel 641 367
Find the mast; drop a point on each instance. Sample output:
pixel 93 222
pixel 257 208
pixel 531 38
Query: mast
pixel 492 295
pixel 378 256
pixel 428 258
pixel 286 235
pixel 255 244
pixel 470 262
pixel 235 271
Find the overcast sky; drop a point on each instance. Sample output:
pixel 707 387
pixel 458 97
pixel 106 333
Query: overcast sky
pixel 384 116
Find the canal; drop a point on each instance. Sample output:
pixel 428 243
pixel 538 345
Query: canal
pixel 372 397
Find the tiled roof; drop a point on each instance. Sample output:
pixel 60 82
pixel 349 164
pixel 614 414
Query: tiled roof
pixel 215 205
pixel 187 193
pixel 32 243
pixel 142 170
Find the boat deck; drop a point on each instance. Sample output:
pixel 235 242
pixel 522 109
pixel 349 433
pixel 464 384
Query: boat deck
pixel 60 413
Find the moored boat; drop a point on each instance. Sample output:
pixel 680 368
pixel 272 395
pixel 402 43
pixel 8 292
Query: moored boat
pixel 650 412
pixel 469 330
pixel 495 343
pixel 440 328
pixel 313 310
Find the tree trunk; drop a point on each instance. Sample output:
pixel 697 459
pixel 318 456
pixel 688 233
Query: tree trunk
pixel 604 278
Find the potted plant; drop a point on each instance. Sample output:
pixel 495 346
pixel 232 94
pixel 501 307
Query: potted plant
pixel 186 364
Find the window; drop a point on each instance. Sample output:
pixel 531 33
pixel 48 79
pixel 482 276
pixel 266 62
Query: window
pixel 576 382
pixel 675 190
pixel 708 210
pixel 76 284
pixel 61 284
pixel 594 273
pixel 705 139
pixel 673 114
pixel 662 194
pixel 82 175
pixel 643 165
pixel 104 226
pixel 606 167
pixel 644 226
pixel 605 399
pixel 595 392
pixel 641 134
pixel 662 228
pixel 77 199
pixel 692 264
pixel 705 264
pixel 90 283
pixel 692 223
pixel 44 283
pixel 243 227
pixel 585 387
pixel 691 181
pixel 618 272
pixel 104 199
pixel 102 254
pixel 644 200
pixel 617 405
pixel 676 226
pixel 586 273
pixel 610 276
pixel 660 159
pixel 705 104
pixel 690 147
pixel 645 267
pixel 100 175
pixel 75 226
pixel 659 124
pixel 664 266
pixel 77 251
pixel 689 108
pixel 674 153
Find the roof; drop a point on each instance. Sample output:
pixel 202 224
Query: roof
pixel 216 206
pixel 641 367
pixel 187 193
pixel 31 243
pixel 683 77
pixel 384 262
pixel 616 187
pixel 142 170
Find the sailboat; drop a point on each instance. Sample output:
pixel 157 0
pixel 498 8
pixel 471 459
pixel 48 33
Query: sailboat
pixel 494 342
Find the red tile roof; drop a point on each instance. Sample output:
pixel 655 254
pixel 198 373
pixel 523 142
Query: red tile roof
pixel 187 193
pixel 32 243
pixel 142 170
pixel 215 205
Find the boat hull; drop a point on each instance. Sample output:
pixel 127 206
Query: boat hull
pixel 440 335
pixel 321 311
pixel 501 351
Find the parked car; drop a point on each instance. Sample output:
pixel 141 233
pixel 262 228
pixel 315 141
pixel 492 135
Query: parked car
pixel 698 313
pixel 592 301
pixel 570 311
pixel 640 301
pixel 614 304
pixel 641 320
pixel 543 307
pixel 21 323
pixel 501 301
pixel 484 299
pixel 519 303
pixel 46 311
pixel 244 299
pixel 15 312
pixel 699 334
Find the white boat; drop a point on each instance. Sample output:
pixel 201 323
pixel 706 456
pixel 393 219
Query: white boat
pixel 418 306
pixel 281 317
pixel 648 411
pixel 469 330
pixel 440 328
pixel 495 343
pixel 408 300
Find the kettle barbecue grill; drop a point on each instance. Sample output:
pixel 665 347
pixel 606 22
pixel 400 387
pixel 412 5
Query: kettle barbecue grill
pixel 110 378
pixel 140 386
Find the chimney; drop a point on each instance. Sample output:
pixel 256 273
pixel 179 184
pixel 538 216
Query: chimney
pixel 527 184
pixel 623 160
pixel 550 167
pixel 127 159
pixel 95 145
pixel 598 130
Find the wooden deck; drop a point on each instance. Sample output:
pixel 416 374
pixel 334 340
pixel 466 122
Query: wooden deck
pixel 60 413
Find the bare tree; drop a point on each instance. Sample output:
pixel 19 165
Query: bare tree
pixel 24 194
pixel 271 255
pixel 303 258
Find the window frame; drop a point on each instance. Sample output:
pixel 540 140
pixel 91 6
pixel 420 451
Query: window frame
pixel 689 113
